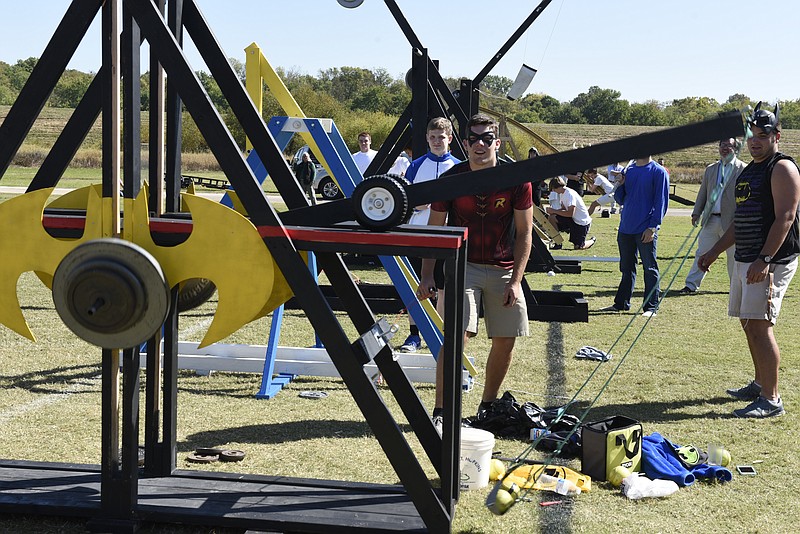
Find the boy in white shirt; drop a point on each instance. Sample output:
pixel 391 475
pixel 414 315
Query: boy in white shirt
pixel 571 215
pixel 365 154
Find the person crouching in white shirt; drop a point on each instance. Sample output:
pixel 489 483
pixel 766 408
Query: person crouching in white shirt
pixel 571 215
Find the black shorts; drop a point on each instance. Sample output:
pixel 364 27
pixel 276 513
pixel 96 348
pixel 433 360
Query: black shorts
pixel 438 270
pixel 577 233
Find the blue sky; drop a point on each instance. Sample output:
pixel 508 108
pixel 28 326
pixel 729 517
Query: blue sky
pixel 646 50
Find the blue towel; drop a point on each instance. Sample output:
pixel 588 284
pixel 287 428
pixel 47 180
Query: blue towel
pixel 659 460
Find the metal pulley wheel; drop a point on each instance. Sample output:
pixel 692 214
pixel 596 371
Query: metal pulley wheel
pixel 350 4
pixel 111 293
pixel 380 202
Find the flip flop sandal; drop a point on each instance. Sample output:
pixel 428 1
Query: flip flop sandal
pixel 312 394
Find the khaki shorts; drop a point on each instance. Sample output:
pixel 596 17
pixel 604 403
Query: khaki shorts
pixel 487 283
pixel 762 300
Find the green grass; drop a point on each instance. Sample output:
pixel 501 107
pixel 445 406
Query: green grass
pixel 73 178
pixel 672 380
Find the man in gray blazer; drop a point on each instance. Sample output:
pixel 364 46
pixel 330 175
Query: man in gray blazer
pixel 728 168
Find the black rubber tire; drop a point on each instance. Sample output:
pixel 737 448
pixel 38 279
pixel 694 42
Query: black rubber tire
pixel 405 183
pixel 329 190
pixel 387 210
pixel 194 292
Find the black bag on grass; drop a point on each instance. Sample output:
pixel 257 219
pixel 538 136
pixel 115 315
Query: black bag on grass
pixel 507 418
pixel 609 443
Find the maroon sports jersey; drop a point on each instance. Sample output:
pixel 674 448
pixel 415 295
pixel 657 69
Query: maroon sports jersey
pixel 489 219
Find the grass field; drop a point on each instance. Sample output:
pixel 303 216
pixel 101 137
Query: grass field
pixel 675 370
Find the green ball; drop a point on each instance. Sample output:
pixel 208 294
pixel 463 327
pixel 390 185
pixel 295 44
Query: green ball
pixel 619 474
pixel 502 502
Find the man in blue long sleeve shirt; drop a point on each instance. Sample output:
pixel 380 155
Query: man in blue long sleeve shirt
pixel 644 193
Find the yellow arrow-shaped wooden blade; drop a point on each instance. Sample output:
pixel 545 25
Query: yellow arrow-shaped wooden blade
pixel 223 247
pixel 26 246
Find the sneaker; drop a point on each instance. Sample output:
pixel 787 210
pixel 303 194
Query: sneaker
pixel 611 308
pixel 613 210
pixel 687 291
pixel 761 408
pixel 556 246
pixel 750 392
pixel 649 313
pixel 438 422
pixel 483 408
pixel 587 244
pixel 411 344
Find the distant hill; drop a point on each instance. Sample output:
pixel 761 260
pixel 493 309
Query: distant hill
pixel 50 123
pixel 685 165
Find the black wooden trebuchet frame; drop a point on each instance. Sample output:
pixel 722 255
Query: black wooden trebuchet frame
pixel 117 495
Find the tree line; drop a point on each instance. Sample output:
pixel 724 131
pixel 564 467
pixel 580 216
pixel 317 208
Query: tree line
pixel 362 99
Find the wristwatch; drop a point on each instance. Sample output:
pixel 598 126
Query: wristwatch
pixel 766 258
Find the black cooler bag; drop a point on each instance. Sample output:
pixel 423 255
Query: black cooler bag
pixel 609 443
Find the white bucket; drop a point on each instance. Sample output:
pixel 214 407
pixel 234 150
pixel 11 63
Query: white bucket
pixel 476 455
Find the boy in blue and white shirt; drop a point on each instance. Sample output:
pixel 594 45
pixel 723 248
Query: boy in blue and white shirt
pixel 438 159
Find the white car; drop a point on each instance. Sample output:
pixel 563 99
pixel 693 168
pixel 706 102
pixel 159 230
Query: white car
pixel 323 184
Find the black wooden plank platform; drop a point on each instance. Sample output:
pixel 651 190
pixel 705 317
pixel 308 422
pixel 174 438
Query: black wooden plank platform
pixel 231 500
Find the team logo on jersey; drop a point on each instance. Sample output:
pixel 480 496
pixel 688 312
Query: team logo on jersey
pixel 742 192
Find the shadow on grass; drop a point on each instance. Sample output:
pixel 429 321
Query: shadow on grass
pixel 277 433
pixel 659 412
pixel 209 313
pixel 51 380
pixel 245 387
pixel 674 293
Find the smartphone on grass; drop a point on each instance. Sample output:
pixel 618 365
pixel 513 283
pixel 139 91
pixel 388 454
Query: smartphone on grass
pixel 745 469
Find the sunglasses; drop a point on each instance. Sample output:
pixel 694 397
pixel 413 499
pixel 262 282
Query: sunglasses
pixel 487 137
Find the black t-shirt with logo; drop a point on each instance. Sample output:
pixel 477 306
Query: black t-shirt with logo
pixel 755 214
